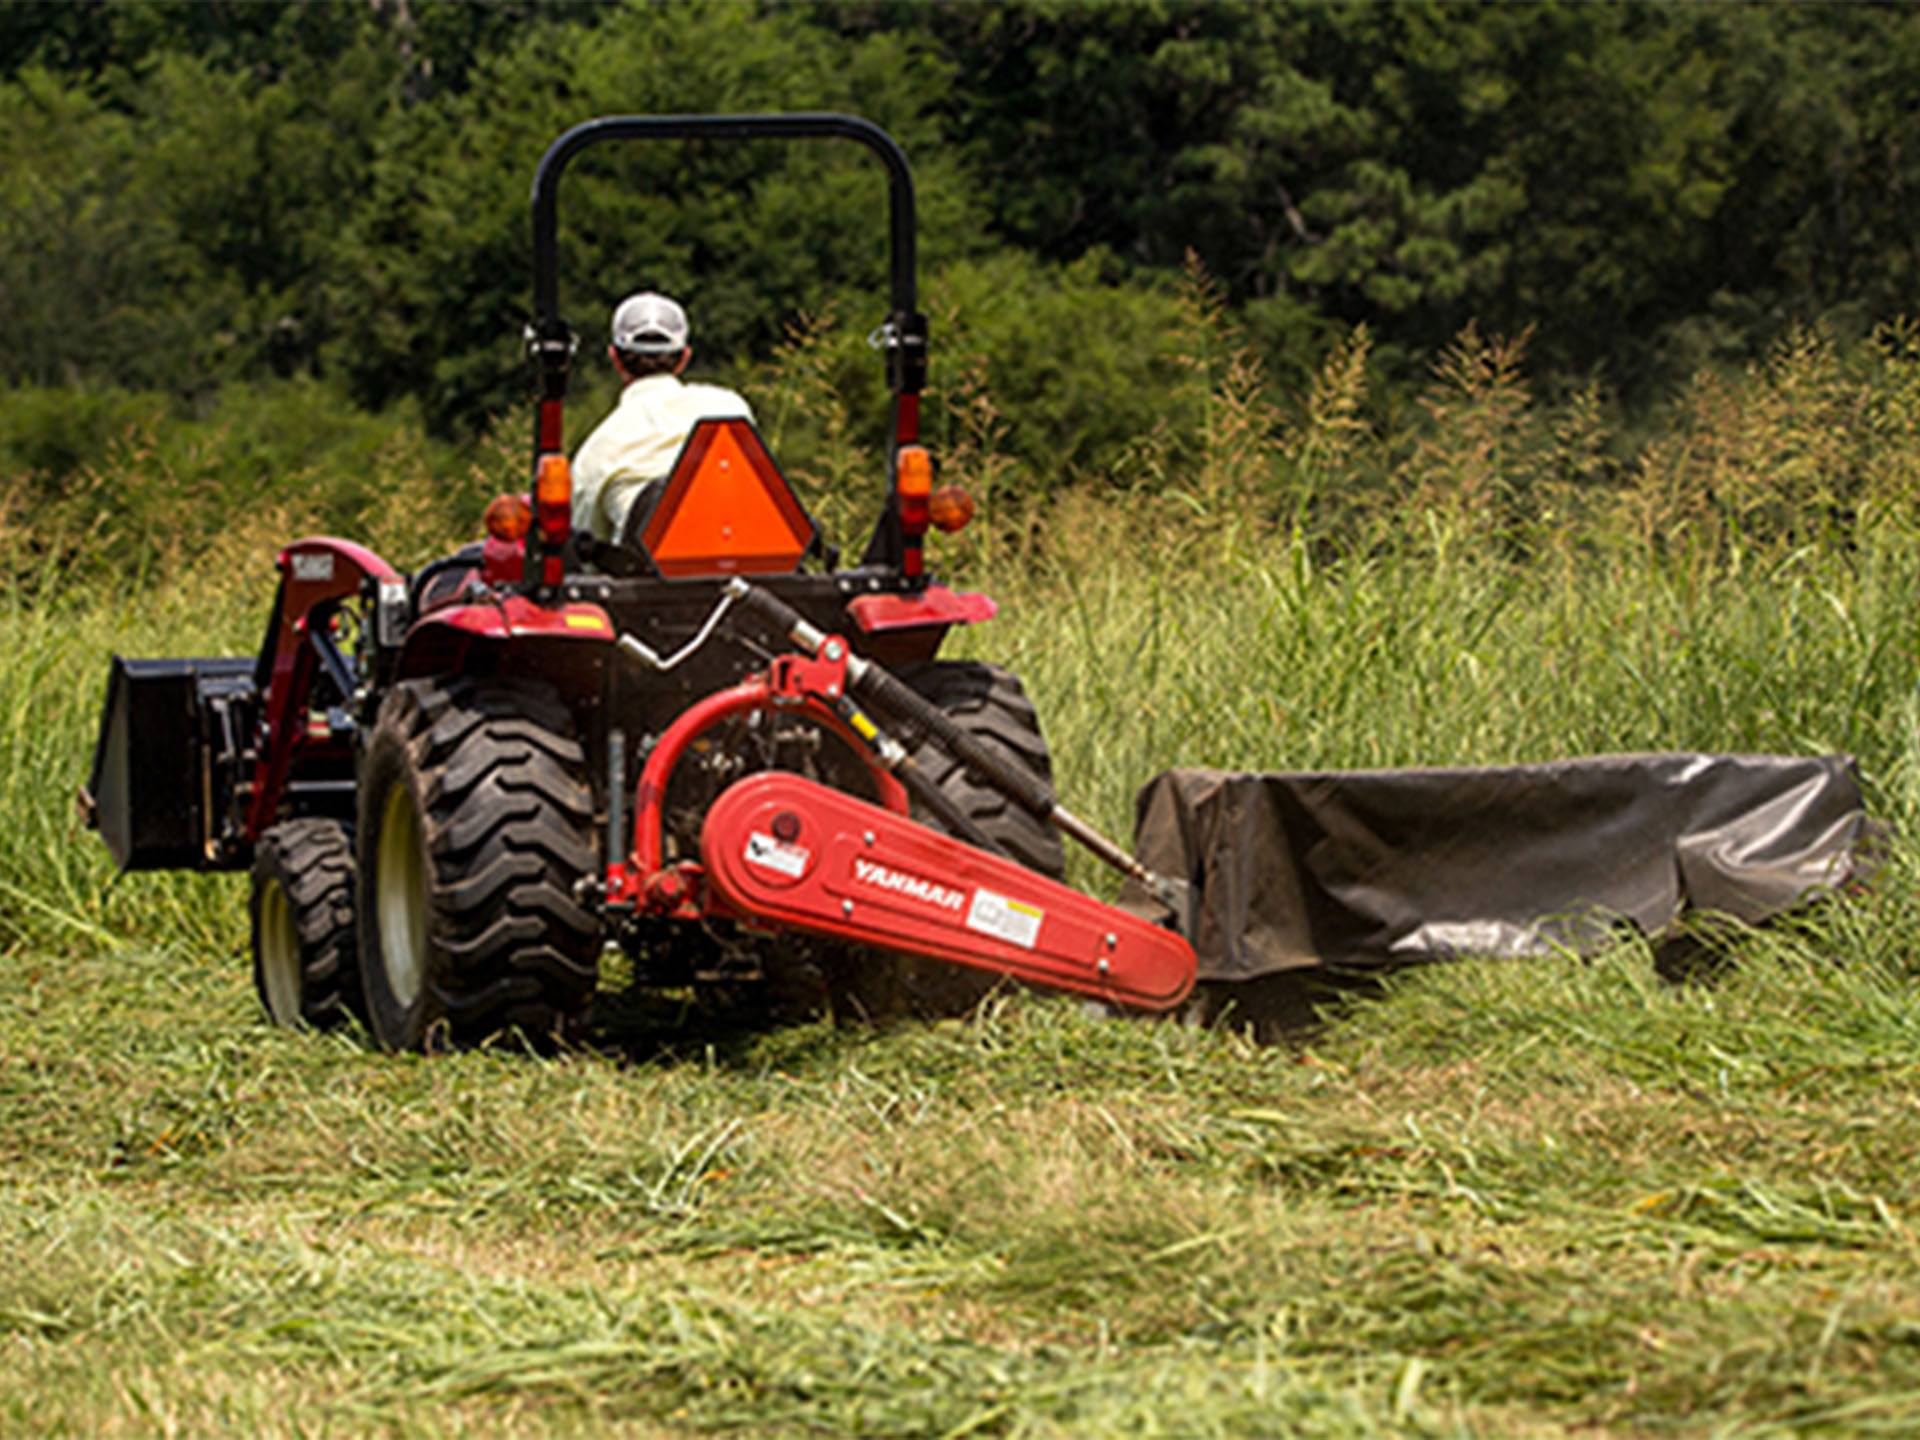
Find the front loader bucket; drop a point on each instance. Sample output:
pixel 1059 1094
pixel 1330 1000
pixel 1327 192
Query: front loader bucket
pixel 1389 867
pixel 155 792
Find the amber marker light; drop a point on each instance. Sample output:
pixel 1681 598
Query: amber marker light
pixel 509 517
pixel 553 482
pixel 913 480
pixel 553 497
pixel 950 508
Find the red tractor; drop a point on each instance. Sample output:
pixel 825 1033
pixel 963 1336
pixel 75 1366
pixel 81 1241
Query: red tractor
pixel 716 747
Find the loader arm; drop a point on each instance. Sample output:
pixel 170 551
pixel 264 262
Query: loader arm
pixel 317 575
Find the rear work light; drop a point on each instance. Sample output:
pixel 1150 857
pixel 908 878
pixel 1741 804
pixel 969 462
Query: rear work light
pixel 509 517
pixel 950 508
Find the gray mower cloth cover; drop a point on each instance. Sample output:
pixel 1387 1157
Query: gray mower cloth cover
pixel 1386 867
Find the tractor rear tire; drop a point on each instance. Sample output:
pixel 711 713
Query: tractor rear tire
pixel 476 820
pixel 305 966
pixel 990 704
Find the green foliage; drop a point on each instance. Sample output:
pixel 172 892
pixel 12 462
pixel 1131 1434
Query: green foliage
pixel 1645 186
pixel 47 434
pixel 94 275
pixel 1050 377
pixel 194 193
pixel 1087 370
pixel 181 238
pixel 750 236
pixel 1819 218
pixel 126 485
pixel 435 43
pixel 92 38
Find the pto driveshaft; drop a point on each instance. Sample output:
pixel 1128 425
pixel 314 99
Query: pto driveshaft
pixel 873 683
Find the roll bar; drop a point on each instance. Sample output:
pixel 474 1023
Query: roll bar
pixel 800 126
pixel 903 337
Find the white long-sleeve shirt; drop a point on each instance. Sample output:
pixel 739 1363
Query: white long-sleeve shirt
pixel 637 442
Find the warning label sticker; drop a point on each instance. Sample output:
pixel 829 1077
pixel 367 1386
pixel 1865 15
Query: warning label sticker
pixel 777 855
pixel 1005 919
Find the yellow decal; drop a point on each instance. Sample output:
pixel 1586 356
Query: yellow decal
pixel 585 622
pixel 1005 918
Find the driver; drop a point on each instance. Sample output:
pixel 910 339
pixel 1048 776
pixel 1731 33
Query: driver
pixel 634 447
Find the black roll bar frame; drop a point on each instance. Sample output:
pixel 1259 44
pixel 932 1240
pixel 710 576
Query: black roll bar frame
pixel 796 126
pixel 903 337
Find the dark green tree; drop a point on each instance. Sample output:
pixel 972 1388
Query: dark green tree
pixel 435 273
pixel 1639 185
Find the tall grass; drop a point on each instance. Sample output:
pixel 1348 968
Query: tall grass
pixel 198 581
pixel 1494 1200
pixel 1495 585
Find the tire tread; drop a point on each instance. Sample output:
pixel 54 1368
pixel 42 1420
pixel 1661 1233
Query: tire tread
pixel 312 858
pixel 507 815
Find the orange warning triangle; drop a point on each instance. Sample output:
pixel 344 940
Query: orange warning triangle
pixel 727 510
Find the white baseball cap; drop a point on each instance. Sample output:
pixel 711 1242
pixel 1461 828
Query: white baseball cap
pixel 649 324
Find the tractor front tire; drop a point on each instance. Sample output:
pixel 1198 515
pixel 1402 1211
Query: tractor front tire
pixel 476 820
pixel 990 704
pixel 305 968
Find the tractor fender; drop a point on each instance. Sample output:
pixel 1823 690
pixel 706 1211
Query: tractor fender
pixel 443 641
pixel 905 629
pixel 935 605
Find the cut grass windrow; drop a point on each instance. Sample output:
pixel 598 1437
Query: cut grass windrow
pixel 1561 1197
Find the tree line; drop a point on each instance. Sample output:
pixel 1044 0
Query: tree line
pixel 198 193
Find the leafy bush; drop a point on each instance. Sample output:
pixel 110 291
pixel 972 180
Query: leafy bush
pixel 116 484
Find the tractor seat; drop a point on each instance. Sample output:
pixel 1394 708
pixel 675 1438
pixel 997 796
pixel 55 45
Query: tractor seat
pixel 444 581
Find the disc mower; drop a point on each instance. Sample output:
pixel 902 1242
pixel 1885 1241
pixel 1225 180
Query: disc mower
pixel 713 746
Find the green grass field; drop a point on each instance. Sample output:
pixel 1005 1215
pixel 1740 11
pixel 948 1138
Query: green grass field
pixel 1561 1198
